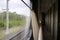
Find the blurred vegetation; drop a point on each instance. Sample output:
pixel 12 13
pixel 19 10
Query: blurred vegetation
pixel 14 19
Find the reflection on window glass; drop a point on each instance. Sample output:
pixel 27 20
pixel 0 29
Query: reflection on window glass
pixel 18 16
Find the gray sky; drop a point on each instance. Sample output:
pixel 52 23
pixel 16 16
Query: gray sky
pixel 17 6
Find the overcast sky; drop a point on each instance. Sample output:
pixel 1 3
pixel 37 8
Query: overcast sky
pixel 17 6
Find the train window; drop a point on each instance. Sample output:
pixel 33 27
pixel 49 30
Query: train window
pixel 14 17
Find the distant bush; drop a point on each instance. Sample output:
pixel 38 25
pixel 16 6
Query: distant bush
pixel 12 23
pixel 14 19
pixel 1 24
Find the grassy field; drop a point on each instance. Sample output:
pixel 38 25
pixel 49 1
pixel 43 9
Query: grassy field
pixel 12 23
pixel 11 30
pixel 14 26
pixel 16 22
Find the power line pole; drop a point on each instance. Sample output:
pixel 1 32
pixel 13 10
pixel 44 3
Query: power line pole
pixel 7 18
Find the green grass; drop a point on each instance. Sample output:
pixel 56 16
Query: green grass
pixel 16 23
pixel 12 23
pixel 14 26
